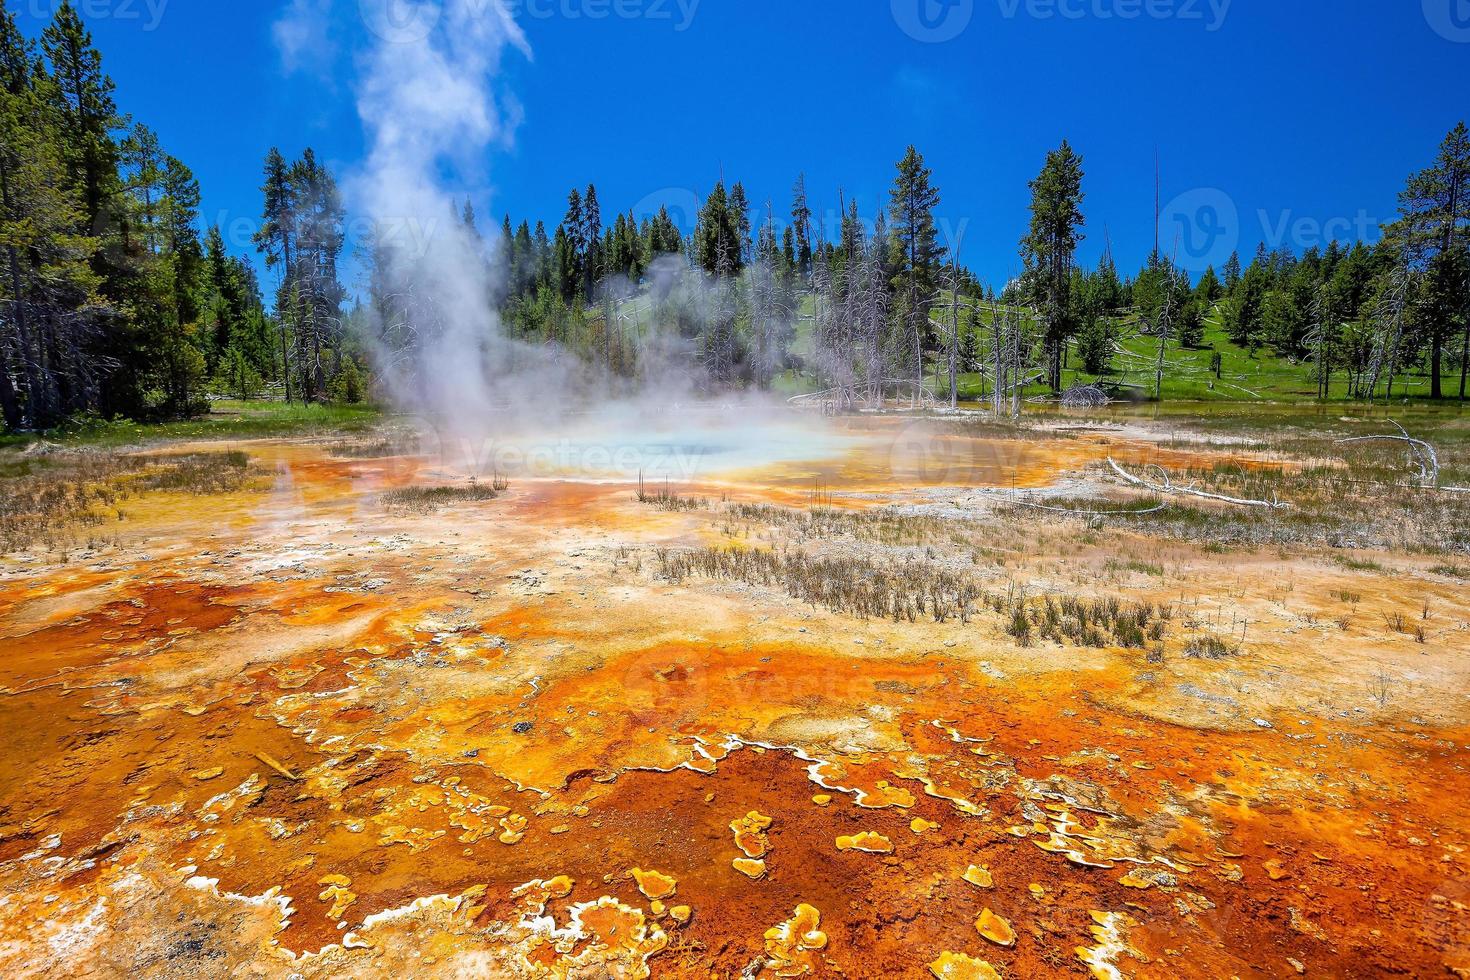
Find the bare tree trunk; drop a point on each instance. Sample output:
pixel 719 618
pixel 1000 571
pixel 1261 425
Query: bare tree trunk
pixel 1436 356
pixel 285 361
pixel 998 359
pixel 9 402
pixel 1465 358
pixel 954 332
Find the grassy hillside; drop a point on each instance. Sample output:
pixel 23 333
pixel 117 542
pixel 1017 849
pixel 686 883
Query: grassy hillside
pixel 1245 375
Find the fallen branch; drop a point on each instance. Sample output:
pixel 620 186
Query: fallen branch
pixel 1424 456
pixel 1168 487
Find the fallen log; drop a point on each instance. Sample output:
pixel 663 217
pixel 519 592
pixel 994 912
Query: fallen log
pixel 1168 487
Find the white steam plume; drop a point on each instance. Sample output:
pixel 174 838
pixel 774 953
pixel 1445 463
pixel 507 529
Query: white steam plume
pixel 428 103
pixel 428 106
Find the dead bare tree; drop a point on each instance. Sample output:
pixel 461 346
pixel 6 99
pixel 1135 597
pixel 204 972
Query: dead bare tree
pixel 1389 319
pixel 952 339
pixel 1165 326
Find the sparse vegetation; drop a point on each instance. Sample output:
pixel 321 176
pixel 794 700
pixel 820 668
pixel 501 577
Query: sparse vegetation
pixel 908 590
pixel 380 447
pixel 428 500
pixel 668 499
pixel 44 496
pixel 1210 647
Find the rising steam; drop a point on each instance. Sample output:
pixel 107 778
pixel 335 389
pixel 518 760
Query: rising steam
pixel 429 108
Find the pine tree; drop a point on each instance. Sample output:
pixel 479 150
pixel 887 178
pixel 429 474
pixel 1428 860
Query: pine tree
pixel 51 318
pixel 90 114
pixel 567 274
pixel 1107 290
pixel 545 258
pixel 1232 272
pixel 740 213
pixel 593 259
pixel 572 260
pixel 523 270
pixel 913 250
pixel 1189 322
pixel 1246 311
pixel 718 247
pixel 1049 247
pixel 1095 344
pixel 1209 289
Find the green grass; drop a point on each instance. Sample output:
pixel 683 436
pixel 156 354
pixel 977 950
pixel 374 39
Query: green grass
pixel 226 420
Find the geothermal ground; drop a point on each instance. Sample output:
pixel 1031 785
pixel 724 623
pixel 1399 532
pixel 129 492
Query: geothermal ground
pixel 870 698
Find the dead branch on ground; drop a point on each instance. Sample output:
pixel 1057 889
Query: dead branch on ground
pixel 1424 457
pixel 1166 486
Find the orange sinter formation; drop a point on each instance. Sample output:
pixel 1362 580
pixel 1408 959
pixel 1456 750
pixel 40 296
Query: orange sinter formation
pixel 301 729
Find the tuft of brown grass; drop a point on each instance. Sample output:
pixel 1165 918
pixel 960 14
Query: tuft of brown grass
pixel 1210 647
pixel 429 500
pixel 668 499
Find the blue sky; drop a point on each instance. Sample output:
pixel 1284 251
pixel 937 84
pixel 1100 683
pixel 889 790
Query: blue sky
pixel 1291 121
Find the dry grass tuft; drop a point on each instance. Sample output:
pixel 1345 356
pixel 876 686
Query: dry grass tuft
pixel 429 500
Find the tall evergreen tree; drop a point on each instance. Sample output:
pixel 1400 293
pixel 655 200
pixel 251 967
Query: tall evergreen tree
pixel 1049 247
pixel 90 113
pixel 914 253
pixel 1232 272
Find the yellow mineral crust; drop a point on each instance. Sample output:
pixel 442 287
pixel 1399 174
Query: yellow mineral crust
pixel 979 877
pixel 794 946
pixel 753 869
pixel 958 966
pixel 867 842
pixel 995 928
pixel 750 834
pixel 654 885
